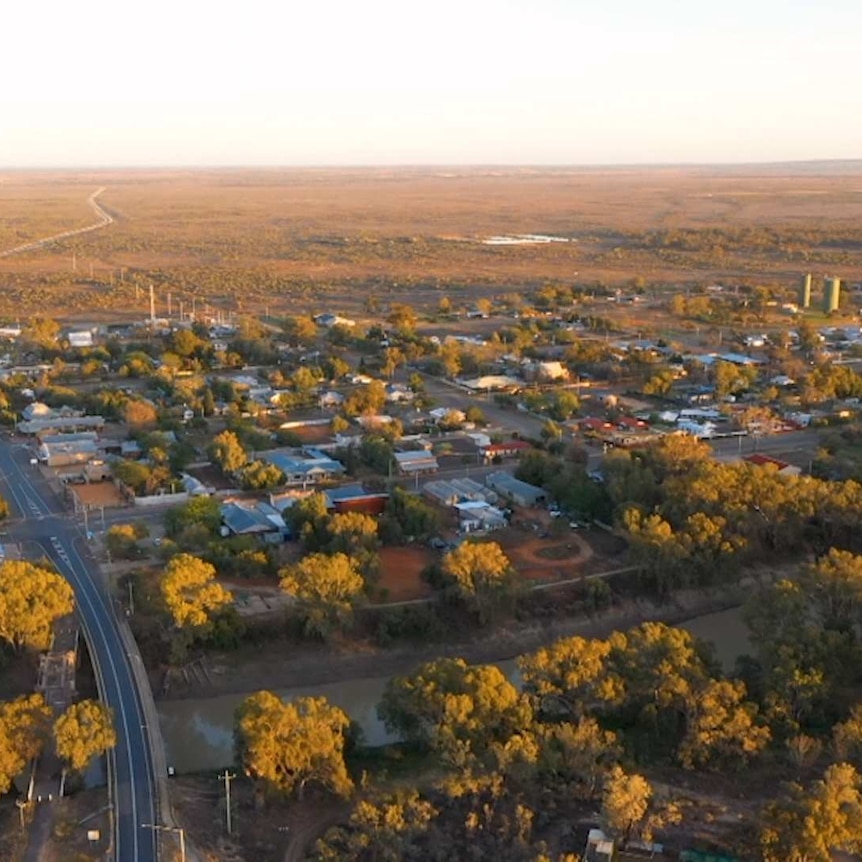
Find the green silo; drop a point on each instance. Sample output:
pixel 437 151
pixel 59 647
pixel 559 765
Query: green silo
pixel 805 291
pixel 832 295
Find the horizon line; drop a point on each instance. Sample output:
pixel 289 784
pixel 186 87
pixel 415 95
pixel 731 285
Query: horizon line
pixel 179 166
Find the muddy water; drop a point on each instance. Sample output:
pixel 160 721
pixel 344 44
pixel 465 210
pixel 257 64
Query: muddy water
pixel 198 734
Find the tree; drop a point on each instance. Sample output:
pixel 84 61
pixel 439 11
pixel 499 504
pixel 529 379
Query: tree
pixel 408 516
pixel 4 509
pixel 24 726
pixel 481 573
pixel 579 752
pixel 352 531
pixel 625 802
pixel 121 540
pixel 32 599
pixel 806 826
pixel 402 317
pixel 326 589
pixel 722 727
pixel 569 676
pixel 84 731
pixel 290 745
pixel 228 452
pixel 458 709
pixel 261 475
pixel 191 592
pixel 307 519
pixel 204 512
pixel 379 830
pixel 139 414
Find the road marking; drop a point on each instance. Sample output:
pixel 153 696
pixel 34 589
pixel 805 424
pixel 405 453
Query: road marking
pixel 82 580
pixel 148 771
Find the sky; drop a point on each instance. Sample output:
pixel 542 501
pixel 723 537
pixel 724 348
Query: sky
pixel 380 82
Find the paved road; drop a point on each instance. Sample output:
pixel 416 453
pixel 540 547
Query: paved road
pixel 42 521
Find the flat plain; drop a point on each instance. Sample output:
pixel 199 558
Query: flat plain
pixel 311 239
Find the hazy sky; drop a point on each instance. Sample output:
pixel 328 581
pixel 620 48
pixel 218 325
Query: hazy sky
pixel 469 82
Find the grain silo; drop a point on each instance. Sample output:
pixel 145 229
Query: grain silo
pixel 832 295
pixel 805 291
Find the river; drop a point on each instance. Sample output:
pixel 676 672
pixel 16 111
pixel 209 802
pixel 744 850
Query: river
pixel 198 734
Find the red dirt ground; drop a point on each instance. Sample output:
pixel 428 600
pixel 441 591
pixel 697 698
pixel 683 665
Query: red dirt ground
pixel 400 573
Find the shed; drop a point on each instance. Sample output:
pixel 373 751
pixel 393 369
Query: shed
pixel 513 489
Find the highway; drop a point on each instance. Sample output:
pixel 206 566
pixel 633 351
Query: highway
pixel 41 520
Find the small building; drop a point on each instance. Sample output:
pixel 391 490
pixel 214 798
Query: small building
pixel 83 338
pixel 259 519
pixel 330 399
pixel 510 488
pixel 479 516
pixel 783 467
pixel 416 462
pixel 60 423
pixel 354 498
pixel 508 449
pixel 64 453
pixel 329 320
pixel 307 466
pixel 452 491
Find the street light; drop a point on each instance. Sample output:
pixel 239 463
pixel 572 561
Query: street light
pixel 181 832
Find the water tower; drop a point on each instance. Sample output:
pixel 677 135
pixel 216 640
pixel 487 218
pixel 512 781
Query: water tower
pixel 832 295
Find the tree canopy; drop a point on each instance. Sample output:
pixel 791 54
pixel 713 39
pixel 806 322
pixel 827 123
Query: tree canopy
pixel 290 745
pixel 191 592
pixel 32 599
pixel 84 731
pixel 24 726
pixel 326 589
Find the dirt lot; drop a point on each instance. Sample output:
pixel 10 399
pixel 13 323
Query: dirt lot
pixel 99 494
pixel 400 573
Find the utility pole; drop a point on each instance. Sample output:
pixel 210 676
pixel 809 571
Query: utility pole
pixel 152 307
pixel 180 831
pixel 169 305
pixel 131 597
pixel 227 778
pixel 74 263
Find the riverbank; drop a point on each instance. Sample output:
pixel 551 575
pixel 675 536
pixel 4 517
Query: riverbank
pixel 279 664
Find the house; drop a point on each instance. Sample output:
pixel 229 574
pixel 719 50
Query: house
pixel 330 399
pixel 509 449
pixel 594 427
pixel 398 393
pixel 329 320
pixel 783 467
pixel 449 415
pixel 631 423
pixel 415 463
pixel 492 383
pixel 510 488
pixel 82 338
pixel 549 371
pixel 63 453
pixel 354 498
pixel 61 423
pixel 258 519
pixel 307 466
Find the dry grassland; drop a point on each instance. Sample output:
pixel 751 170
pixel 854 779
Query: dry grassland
pixel 326 238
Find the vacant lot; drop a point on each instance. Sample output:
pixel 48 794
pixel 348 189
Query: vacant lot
pixel 315 239
pixel 401 573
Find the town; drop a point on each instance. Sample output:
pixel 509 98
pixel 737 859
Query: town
pixel 402 477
